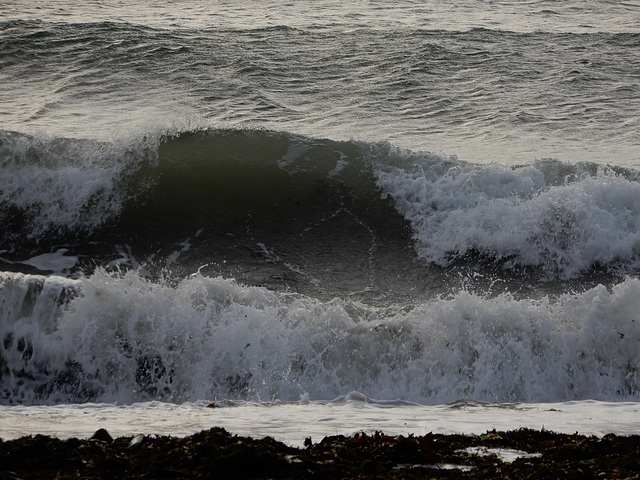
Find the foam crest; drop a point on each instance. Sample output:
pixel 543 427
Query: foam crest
pixel 126 339
pixel 563 219
pixel 51 185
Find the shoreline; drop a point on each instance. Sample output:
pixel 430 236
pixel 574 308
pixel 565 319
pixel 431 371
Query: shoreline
pixel 215 453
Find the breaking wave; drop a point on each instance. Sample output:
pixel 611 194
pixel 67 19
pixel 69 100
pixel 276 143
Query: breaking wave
pixel 123 338
pixel 560 219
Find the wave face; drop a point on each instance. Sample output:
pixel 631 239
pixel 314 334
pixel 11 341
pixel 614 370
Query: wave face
pixel 552 219
pixel 52 187
pixel 124 338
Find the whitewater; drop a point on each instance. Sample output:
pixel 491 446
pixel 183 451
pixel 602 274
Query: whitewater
pixel 296 220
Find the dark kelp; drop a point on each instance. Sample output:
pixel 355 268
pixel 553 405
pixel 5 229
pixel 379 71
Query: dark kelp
pixel 217 454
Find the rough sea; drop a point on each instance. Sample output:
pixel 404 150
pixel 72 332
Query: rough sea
pixel 320 216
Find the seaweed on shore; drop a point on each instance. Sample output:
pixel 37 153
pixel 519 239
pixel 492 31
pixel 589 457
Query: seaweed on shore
pixel 215 453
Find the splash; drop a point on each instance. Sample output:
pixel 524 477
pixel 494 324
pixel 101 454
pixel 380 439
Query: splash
pixel 123 338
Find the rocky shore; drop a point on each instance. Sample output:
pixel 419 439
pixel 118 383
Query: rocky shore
pixel 217 454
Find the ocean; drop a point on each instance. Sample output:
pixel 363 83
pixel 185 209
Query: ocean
pixel 319 217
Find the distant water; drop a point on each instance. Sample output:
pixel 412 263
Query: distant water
pixel 290 202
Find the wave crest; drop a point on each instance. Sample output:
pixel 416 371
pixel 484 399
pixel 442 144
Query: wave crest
pixel 559 218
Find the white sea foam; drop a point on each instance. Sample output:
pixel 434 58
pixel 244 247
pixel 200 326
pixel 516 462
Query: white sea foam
pixel 33 303
pixel 32 188
pixel 292 423
pixel 558 217
pixel 58 184
pixel 56 261
pixel 125 339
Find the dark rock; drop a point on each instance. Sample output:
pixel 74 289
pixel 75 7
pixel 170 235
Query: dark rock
pixel 102 435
